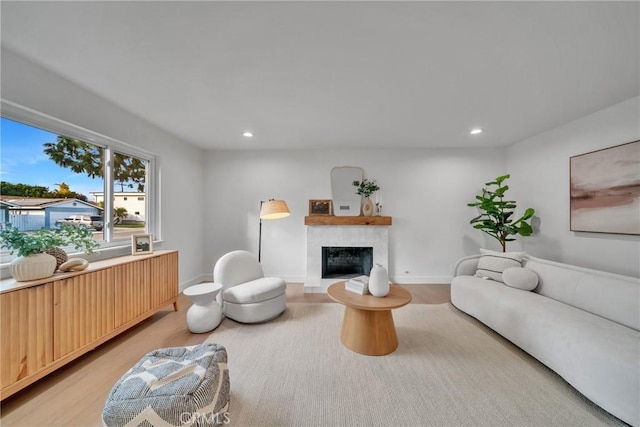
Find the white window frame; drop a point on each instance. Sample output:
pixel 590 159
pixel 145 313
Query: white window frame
pixel 18 113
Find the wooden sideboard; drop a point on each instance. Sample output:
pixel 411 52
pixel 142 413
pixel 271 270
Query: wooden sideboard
pixel 47 323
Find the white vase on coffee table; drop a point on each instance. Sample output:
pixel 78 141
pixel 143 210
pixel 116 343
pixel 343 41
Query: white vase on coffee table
pixel 378 281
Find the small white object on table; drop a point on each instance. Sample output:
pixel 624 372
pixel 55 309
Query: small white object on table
pixel 205 313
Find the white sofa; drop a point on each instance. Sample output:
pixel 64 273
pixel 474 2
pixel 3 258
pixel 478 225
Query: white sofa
pixel 583 324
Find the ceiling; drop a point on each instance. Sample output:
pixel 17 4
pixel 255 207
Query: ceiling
pixel 350 74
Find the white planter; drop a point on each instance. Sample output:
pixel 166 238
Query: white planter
pixel 32 267
pixel 378 281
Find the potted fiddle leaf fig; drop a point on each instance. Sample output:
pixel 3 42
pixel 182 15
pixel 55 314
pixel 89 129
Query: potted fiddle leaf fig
pixel 496 218
pixel 38 251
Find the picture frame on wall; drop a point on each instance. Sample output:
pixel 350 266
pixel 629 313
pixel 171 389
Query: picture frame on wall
pixel 605 190
pixel 320 207
pixel 141 244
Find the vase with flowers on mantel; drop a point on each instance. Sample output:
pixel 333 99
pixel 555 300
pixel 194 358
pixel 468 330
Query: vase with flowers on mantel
pixel 366 188
pixel 367 207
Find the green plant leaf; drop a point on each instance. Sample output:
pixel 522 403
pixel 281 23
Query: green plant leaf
pixel 502 178
pixel 525 229
pixel 497 215
pixel 500 191
pixel 27 243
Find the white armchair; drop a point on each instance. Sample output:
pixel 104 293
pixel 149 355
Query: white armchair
pixel 247 296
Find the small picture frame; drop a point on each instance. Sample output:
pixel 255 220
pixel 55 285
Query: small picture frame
pixel 320 207
pixel 141 244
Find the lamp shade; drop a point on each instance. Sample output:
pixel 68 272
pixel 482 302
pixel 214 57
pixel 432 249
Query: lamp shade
pixel 274 209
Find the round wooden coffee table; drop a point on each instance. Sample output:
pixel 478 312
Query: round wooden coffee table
pixel 367 326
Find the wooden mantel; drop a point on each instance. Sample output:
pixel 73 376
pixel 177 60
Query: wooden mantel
pixel 346 220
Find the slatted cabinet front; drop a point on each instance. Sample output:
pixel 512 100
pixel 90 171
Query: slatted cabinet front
pixel 83 311
pixel 26 325
pixel 50 322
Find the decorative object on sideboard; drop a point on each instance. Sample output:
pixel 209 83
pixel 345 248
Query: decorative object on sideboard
pixel 605 190
pixel 141 244
pixel 59 254
pixel 345 201
pixel 378 281
pixel 32 267
pixel 496 217
pixel 271 209
pixel 74 264
pixel 320 207
pixel 366 188
pixel 32 262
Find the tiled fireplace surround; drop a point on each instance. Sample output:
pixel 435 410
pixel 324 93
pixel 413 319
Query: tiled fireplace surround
pixel 374 236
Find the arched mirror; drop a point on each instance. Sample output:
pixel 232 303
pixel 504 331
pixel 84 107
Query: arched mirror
pixel 345 200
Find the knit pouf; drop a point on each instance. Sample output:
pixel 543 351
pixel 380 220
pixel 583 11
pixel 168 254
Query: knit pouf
pixel 173 386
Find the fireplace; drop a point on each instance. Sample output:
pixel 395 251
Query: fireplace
pixel 346 261
pixel 374 237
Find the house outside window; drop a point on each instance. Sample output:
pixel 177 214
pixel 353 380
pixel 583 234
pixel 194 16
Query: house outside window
pixel 135 208
pixel 52 170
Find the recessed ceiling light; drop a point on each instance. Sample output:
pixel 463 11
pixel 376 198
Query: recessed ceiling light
pixel 475 131
pixel 247 134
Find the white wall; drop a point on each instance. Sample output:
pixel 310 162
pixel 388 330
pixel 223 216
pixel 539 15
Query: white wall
pixel 180 164
pixel 425 191
pixel 540 179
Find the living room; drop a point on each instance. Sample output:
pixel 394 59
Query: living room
pixel 545 82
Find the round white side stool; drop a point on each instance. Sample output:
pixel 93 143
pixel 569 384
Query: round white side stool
pixel 205 313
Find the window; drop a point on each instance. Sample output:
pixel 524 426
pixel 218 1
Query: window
pixel 129 177
pixel 51 171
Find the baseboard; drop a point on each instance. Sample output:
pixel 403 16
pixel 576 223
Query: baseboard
pixel 194 281
pixel 323 289
pixel 207 277
pixel 292 279
pixel 315 289
pixel 417 280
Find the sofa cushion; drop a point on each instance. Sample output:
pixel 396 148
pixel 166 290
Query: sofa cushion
pixel 520 278
pixel 491 264
pixel 254 291
pixel 609 295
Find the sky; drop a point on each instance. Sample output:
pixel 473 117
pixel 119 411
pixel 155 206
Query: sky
pixel 22 161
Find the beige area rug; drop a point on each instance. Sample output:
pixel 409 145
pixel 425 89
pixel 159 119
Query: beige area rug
pixel 448 370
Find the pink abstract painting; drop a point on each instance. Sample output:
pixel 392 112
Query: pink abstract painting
pixel 605 190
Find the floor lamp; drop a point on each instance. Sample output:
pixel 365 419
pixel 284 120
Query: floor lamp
pixel 271 209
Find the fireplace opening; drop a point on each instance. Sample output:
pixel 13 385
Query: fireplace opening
pixel 346 262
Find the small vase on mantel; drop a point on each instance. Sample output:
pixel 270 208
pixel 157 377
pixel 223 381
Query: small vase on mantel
pixel 367 207
pixel 378 281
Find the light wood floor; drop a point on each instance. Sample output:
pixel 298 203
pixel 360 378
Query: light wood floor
pixel 75 394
